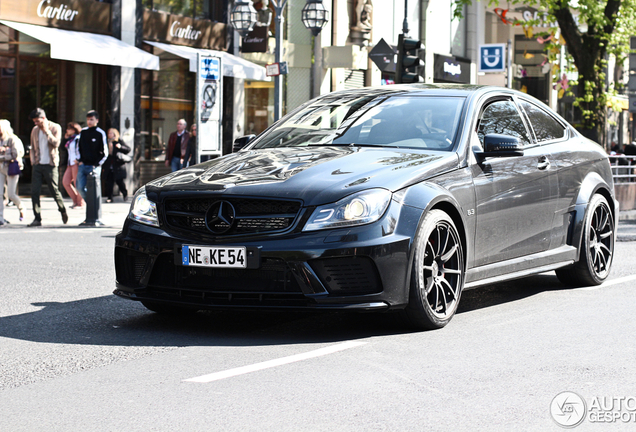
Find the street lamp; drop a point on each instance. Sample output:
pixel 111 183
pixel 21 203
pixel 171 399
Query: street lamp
pixel 243 17
pixel 315 16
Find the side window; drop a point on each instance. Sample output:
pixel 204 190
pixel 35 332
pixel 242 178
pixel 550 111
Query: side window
pixel 545 127
pixel 502 117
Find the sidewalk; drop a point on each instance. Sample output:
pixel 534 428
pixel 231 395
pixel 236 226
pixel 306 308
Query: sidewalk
pixel 113 214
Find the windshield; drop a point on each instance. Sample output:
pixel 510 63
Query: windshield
pixel 387 121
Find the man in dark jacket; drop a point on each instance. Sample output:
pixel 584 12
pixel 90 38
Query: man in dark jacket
pixel 93 151
pixel 177 146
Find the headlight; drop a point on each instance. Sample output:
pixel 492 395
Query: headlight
pixel 143 210
pixel 357 209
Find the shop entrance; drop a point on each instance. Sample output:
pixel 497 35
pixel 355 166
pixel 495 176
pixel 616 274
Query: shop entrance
pixel 39 87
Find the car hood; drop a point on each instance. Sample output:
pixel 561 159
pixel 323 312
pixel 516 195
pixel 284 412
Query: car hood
pixel 316 175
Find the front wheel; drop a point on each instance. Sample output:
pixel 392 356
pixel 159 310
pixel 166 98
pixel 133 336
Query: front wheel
pixel 597 247
pixel 437 277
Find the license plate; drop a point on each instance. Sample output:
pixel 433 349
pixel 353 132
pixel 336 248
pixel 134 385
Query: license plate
pixel 214 256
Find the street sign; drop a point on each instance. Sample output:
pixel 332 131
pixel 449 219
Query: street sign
pixel 208 106
pixel 492 58
pixel 275 69
pixel 383 55
pixel 210 68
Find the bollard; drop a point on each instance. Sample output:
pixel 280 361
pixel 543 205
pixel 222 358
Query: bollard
pixel 93 201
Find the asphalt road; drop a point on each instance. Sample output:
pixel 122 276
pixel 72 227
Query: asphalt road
pixel 73 357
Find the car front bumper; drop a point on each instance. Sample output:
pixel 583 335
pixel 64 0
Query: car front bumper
pixel 361 268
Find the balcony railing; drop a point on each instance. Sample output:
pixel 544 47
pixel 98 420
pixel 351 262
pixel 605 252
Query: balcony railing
pixel 623 168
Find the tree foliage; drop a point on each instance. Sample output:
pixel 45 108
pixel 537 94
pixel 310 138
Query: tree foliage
pixel 604 28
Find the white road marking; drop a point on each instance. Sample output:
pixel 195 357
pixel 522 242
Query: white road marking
pixel 274 363
pixel 610 283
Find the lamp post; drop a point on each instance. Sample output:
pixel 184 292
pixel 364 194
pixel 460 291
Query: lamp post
pixel 314 17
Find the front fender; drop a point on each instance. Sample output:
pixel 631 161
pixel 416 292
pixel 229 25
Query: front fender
pixel 452 193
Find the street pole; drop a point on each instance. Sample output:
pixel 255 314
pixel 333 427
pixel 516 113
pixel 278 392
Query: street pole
pixel 278 79
pixel 405 23
pixel 509 69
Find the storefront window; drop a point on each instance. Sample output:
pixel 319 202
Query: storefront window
pixel 167 96
pixel 83 90
pixel 533 77
pixel 259 106
pixel 200 9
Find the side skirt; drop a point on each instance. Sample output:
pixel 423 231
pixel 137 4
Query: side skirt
pixel 521 267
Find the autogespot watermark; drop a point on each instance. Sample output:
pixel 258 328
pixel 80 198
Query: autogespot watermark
pixel 569 410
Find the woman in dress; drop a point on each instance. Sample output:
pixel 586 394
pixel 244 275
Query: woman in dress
pixel 70 175
pixel 11 150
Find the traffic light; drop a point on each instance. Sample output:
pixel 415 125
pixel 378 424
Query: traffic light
pixel 408 60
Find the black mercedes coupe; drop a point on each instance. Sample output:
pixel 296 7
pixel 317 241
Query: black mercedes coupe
pixel 390 198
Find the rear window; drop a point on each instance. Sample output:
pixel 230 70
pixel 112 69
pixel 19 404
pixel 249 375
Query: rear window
pixel 545 127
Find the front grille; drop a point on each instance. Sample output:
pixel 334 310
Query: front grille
pixel 252 215
pixel 348 275
pixel 272 284
pixel 130 266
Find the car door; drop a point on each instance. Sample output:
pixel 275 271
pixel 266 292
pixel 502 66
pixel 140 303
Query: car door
pixel 553 136
pixel 514 212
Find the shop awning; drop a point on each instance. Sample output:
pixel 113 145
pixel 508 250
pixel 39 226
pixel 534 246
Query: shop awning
pixel 233 66
pixel 88 47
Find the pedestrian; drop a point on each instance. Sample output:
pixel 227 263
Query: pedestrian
pixel 70 175
pixel 93 151
pixel 116 164
pixel 190 157
pixel 177 145
pixel 45 157
pixel 11 153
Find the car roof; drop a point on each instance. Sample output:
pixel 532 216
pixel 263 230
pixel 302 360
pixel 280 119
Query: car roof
pixel 457 90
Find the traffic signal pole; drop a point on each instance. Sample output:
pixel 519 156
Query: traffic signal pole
pixel 408 59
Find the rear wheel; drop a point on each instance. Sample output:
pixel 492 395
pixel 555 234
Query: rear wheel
pixel 597 247
pixel 437 276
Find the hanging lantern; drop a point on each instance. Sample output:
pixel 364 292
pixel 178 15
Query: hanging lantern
pixel 315 16
pixel 243 17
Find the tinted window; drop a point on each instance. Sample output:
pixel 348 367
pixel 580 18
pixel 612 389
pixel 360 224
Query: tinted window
pixel 545 127
pixel 392 121
pixel 502 117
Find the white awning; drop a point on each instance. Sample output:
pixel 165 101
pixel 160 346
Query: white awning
pixel 88 47
pixel 233 66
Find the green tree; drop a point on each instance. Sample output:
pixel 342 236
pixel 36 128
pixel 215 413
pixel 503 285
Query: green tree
pixel 603 29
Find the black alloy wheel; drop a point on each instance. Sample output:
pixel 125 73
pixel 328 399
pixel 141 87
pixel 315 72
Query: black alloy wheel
pixel 437 277
pixel 597 247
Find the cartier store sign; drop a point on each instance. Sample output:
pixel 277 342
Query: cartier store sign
pixel 180 30
pixel 82 15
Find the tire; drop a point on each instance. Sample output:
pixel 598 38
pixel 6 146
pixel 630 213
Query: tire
pixel 167 309
pixel 437 275
pixel 597 247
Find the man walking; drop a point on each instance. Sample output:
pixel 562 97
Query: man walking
pixel 177 146
pixel 93 151
pixel 45 157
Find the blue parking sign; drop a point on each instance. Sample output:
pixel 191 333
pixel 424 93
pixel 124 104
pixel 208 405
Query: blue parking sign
pixel 209 68
pixel 492 58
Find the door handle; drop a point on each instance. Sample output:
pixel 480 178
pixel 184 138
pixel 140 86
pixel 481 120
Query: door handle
pixel 544 163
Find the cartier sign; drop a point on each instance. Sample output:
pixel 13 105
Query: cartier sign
pixel 180 30
pixel 62 12
pixel 82 15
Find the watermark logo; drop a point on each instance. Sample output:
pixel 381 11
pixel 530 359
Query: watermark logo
pixel 568 409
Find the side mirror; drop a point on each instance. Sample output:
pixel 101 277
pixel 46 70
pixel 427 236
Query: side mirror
pixel 497 145
pixel 241 142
